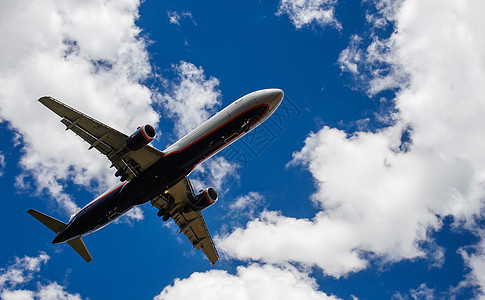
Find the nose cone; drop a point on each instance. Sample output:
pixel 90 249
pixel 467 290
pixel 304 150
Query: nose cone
pixel 273 98
pixel 277 93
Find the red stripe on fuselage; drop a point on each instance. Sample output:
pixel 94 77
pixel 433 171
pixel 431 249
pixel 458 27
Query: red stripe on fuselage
pixel 227 122
pixel 219 127
pixel 106 194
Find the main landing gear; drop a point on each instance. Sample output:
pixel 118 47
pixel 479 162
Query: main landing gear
pixel 122 172
pixel 163 212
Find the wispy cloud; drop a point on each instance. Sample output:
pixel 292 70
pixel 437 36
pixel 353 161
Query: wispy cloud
pixel 422 292
pixel 3 163
pixel 191 98
pixel 474 258
pixel 245 205
pixel 305 12
pixel 175 17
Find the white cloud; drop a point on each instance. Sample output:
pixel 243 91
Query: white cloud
pixel 133 215
pixel 216 172
pixel 422 292
pixel 175 17
pixel 21 272
pixel 386 12
pixel 245 205
pixel 375 68
pixel 252 282
pixel 476 262
pixel 305 12
pixel 96 67
pixel 379 201
pixel 17 295
pixel 55 291
pixel 192 99
pixel 2 163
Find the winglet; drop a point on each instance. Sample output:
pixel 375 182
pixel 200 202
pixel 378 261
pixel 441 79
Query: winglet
pixel 78 246
pixel 53 224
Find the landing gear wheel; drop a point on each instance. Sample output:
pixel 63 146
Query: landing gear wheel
pixel 162 212
pixel 124 177
pixel 119 172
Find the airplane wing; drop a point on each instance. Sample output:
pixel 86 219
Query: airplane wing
pixel 190 222
pixel 105 139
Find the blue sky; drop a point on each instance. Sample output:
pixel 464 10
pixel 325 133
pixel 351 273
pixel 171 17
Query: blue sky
pixel 367 183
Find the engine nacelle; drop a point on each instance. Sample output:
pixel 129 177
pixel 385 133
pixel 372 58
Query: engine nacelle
pixel 203 200
pixel 144 135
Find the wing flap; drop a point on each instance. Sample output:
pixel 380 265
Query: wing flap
pixel 191 223
pixel 92 140
pixel 80 120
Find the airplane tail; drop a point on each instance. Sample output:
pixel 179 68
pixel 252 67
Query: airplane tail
pixel 53 224
pixel 57 226
pixel 78 245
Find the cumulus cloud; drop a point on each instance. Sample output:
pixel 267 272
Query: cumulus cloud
pixel 21 272
pixel 380 199
pixel 191 100
pixel 96 67
pixel 252 282
pixel 305 12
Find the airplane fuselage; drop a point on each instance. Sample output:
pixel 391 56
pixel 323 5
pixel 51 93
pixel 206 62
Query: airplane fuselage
pixel 177 161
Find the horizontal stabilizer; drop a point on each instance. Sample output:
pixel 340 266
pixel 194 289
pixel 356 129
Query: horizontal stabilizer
pixel 78 245
pixel 53 224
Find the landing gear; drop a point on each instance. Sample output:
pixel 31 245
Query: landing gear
pixel 164 214
pixel 124 177
pixel 119 172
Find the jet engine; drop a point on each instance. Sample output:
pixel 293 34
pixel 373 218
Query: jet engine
pixel 141 137
pixel 203 200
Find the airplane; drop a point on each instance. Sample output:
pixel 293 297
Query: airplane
pixel 151 175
